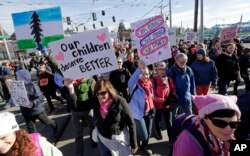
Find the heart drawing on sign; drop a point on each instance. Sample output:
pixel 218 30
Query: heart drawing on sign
pixel 59 56
pixel 101 37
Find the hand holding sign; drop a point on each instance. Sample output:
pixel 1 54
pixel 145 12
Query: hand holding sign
pixel 141 64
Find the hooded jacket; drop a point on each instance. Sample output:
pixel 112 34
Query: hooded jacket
pixel 34 94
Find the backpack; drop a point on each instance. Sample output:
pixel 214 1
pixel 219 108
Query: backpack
pixel 187 122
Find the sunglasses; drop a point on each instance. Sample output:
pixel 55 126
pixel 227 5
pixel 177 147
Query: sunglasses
pixel 103 93
pixel 119 62
pixel 223 124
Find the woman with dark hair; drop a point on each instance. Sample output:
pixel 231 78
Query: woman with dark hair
pixel 210 134
pixel 205 73
pixel 113 116
pixel 17 142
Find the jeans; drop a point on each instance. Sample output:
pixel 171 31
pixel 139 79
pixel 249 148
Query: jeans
pixel 31 121
pixel 223 86
pixel 78 118
pixel 103 150
pixel 144 127
pixel 167 118
pixel 184 108
pixel 48 98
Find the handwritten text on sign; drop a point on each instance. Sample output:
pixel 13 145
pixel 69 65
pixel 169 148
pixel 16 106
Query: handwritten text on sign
pixel 150 36
pixel 85 54
pixel 229 33
pixel 18 93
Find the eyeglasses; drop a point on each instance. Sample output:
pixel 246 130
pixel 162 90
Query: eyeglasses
pixel 161 69
pixel 119 62
pixel 103 93
pixel 223 124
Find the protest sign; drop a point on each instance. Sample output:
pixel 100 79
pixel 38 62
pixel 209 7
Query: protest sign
pixel 150 36
pixel 229 33
pixel 18 93
pixel 38 27
pixel 190 36
pixel 85 54
pixel 172 36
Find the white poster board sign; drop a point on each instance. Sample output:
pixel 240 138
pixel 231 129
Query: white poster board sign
pixel 18 93
pixel 190 36
pixel 172 36
pixel 85 54
pixel 150 36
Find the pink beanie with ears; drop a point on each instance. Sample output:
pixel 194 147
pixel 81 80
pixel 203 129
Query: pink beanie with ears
pixel 209 103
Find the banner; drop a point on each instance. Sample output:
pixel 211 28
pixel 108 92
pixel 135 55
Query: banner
pixel 150 36
pixel 190 36
pixel 18 93
pixel 38 27
pixel 85 54
pixel 229 33
pixel 172 36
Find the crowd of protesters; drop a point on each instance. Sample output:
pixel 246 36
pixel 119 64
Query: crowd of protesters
pixel 121 106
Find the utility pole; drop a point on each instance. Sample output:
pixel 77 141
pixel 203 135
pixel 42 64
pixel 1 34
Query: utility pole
pixel 170 14
pixel 202 25
pixel 196 6
pixel 5 43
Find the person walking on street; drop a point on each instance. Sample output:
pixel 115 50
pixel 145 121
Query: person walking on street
pixel 113 117
pixel 183 78
pixel 142 104
pixel 36 109
pixel 205 73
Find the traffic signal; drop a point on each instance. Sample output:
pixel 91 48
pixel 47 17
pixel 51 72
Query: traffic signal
pixel 101 23
pixel 166 18
pixel 94 16
pixel 68 20
pixel 113 18
pixel 103 13
pixel 94 26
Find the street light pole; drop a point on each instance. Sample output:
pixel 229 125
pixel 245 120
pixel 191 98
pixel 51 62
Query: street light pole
pixel 202 26
pixel 170 14
pixel 5 43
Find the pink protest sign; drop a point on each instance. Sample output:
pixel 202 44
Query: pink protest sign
pixel 150 37
pixel 229 33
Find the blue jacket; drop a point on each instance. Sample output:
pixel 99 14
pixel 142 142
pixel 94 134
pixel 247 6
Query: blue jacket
pixel 184 82
pixel 204 72
pixel 137 102
pixel 34 93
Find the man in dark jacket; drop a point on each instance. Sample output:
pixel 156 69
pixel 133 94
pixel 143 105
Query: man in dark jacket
pixel 228 68
pixel 119 79
pixel 244 66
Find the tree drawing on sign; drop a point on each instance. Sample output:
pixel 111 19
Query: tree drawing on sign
pixel 35 27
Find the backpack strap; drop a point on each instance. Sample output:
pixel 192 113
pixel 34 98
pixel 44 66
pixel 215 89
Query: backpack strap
pixel 199 140
pixel 136 87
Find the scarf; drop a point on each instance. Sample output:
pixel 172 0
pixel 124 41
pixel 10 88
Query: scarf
pixel 149 104
pixel 218 148
pixel 105 107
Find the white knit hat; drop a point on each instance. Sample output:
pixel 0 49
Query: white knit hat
pixel 8 123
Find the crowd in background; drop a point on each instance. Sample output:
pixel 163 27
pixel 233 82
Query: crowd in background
pixel 125 102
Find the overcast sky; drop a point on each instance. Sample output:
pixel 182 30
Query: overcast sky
pixel 215 11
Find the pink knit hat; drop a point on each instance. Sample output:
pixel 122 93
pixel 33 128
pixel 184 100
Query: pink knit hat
pixel 213 102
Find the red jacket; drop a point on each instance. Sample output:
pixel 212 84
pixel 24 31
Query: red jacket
pixel 162 88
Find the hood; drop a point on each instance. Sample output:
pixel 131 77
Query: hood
pixel 23 75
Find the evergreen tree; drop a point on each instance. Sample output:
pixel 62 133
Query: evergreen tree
pixel 36 28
